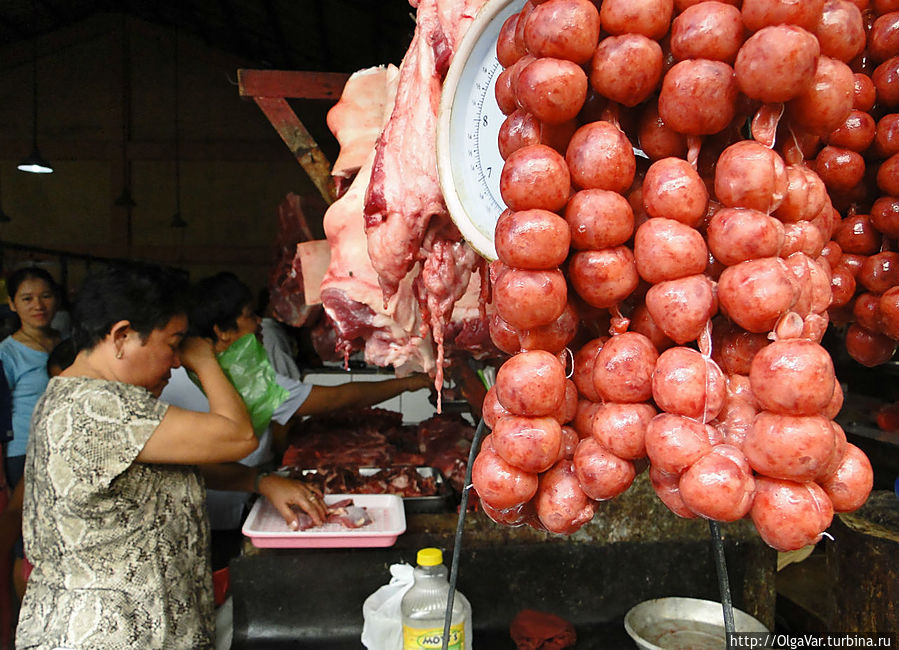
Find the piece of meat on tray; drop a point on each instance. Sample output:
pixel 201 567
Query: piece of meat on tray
pixel 343 512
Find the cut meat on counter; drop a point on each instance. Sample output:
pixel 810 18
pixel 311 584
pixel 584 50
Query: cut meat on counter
pixel 378 438
pixel 402 480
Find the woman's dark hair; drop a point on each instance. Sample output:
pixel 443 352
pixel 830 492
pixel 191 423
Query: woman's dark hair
pixel 62 355
pixel 17 277
pixel 218 301
pixel 146 296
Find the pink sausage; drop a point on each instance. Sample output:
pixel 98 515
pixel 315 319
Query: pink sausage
pixel 554 90
pixel 755 294
pixel 681 308
pixel 532 384
pixel 790 515
pixel 535 176
pixel 686 383
pixel 841 30
pixel 739 234
pixel 708 30
pixel 824 104
pixel 562 506
pixel 648 17
pixel 750 175
pixel 527 299
pixel 674 190
pixel 665 249
pixel 530 444
pixel 563 29
pixel 599 219
pixel 605 277
pixel 623 368
pixel 805 197
pixel 776 63
pixel 500 484
pixel 602 475
pixel 698 97
pixel 666 488
pixel 733 348
pixel 600 156
pixel 789 447
pixel 719 485
pixel 674 442
pixel 626 69
pixel 621 428
pixel 793 377
pixel 849 487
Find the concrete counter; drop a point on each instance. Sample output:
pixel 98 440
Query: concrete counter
pixel 633 550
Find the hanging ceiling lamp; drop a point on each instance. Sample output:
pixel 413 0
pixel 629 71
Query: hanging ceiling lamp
pixel 177 220
pixel 35 162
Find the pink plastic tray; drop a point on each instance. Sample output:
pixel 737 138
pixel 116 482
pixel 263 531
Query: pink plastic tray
pixel 267 529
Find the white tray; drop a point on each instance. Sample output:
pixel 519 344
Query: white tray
pixel 266 527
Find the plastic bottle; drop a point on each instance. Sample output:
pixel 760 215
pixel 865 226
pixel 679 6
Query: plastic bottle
pixel 424 607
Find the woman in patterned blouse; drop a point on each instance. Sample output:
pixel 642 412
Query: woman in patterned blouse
pixel 115 522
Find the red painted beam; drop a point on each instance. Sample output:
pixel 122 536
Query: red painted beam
pixel 300 142
pixel 292 84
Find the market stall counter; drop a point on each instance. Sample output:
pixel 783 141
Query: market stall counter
pixel 634 549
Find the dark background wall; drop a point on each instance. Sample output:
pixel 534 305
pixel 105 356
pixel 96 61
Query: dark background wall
pixel 106 121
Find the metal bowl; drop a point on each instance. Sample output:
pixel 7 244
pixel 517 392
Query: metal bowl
pixel 683 624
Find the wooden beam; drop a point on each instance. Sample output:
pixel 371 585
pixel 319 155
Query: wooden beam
pixel 293 84
pixel 301 144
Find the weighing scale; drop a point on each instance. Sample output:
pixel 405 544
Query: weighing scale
pixel 468 160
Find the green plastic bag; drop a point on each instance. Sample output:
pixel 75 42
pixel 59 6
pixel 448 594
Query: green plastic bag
pixel 247 367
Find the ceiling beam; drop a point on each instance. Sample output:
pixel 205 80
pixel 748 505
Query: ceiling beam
pixel 300 143
pixel 293 84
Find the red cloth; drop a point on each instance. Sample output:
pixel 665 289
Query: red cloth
pixel 221 583
pixel 535 630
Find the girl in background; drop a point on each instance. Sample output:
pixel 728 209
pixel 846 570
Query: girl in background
pixel 24 354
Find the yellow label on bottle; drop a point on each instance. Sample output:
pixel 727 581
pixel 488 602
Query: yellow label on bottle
pixel 423 638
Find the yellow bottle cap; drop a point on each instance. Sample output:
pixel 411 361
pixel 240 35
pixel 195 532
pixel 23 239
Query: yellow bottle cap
pixel 429 557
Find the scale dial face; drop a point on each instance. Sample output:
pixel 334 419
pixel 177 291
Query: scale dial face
pixel 468 160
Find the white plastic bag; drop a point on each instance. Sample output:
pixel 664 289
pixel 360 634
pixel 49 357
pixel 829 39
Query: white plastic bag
pixel 382 626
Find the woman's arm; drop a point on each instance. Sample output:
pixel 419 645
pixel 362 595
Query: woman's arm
pixel 359 394
pixel 281 491
pixel 223 434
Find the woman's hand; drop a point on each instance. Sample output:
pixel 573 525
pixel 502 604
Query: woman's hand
pixel 195 351
pixel 284 492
